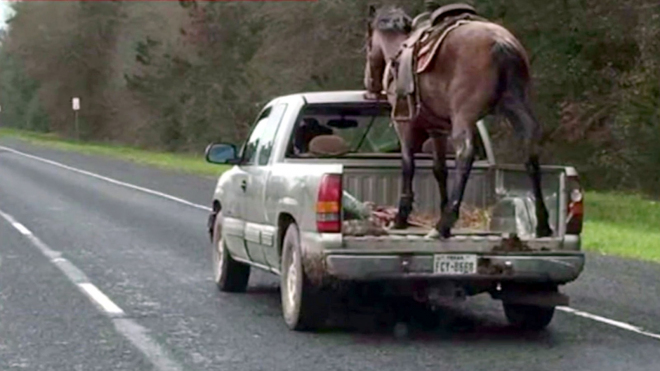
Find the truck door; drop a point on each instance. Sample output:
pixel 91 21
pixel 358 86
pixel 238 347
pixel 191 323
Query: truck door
pixel 233 211
pixel 259 234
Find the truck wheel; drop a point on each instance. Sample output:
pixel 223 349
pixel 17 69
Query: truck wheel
pixel 528 317
pixel 228 274
pixel 303 304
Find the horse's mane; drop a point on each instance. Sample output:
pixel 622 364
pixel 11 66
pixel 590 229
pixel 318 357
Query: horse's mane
pixel 392 19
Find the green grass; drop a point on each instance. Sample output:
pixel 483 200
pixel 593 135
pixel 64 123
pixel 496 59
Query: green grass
pixel 615 223
pixel 622 224
pixel 171 161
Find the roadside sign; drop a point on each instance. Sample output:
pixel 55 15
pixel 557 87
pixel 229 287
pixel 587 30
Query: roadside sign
pixel 75 102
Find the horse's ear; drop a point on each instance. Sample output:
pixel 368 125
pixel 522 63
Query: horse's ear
pixel 372 11
pixel 370 17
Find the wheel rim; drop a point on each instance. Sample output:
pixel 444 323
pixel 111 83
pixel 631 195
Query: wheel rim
pixel 292 282
pixel 219 257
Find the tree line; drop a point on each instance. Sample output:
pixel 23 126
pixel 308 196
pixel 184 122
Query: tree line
pixel 177 75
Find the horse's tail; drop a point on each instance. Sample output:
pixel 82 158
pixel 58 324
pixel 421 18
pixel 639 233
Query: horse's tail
pixel 513 87
pixel 513 69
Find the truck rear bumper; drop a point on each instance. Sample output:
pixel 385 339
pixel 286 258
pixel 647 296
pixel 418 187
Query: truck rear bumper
pixel 556 268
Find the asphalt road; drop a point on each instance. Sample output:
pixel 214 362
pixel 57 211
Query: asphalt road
pixel 96 275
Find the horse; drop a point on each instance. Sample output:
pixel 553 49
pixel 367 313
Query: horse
pixel 480 68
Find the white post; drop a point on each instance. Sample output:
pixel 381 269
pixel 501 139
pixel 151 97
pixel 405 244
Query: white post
pixel 75 104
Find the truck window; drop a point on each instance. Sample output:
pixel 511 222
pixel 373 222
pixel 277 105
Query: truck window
pixel 363 128
pixel 357 129
pixel 259 146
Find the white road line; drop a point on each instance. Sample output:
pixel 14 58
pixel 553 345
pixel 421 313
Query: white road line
pixel 100 298
pixel 109 180
pixel 611 322
pixel 21 228
pixel 593 317
pixel 71 271
pixel 51 254
pixel 139 336
pixel 127 327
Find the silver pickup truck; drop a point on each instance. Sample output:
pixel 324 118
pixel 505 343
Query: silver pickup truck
pixel 285 205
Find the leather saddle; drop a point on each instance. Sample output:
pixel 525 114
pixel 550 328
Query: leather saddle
pixel 417 53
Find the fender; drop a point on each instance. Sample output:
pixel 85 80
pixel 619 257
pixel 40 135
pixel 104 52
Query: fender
pixel 288 205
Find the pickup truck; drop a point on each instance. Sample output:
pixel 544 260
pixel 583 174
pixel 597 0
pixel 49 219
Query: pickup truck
pixel 282 207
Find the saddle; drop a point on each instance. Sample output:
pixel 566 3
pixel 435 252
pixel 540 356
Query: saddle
pixel 417 53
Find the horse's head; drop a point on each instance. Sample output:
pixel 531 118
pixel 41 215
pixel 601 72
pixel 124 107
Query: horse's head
pixel 387 27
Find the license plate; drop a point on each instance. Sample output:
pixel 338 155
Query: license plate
pixel 455 264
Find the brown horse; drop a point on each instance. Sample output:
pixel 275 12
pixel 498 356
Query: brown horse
pixel 479 69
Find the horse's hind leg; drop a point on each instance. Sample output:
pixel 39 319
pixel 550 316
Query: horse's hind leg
pixel 440 168
pixel 528 128
pixel 463 139
pixel 406 199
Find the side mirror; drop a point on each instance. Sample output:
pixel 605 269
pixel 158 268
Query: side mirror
pixel 221 154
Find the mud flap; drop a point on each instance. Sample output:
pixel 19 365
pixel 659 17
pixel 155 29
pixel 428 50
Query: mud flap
pixel 210 224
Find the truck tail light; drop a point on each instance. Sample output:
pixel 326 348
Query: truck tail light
pixel 328 204
pixel 575 209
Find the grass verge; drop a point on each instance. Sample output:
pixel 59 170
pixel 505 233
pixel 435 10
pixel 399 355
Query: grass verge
pixel 171 161
pixel 622 224
pixel 615 223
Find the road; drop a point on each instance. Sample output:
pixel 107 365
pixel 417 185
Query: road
pixel 105 265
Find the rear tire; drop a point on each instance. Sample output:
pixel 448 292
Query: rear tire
pixel 528 317
pixel 304 305
pixel 229 275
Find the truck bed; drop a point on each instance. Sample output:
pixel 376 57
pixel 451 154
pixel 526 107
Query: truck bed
pixel 503 191
pixel 506 249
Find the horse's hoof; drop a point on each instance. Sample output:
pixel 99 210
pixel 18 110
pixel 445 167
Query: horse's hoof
pixel 399 224
pixel 443 231
pixel 543 231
